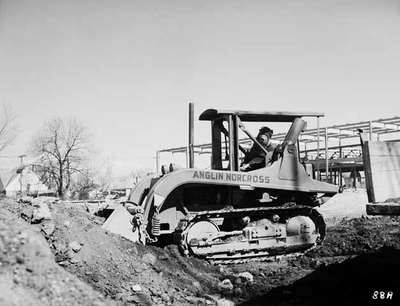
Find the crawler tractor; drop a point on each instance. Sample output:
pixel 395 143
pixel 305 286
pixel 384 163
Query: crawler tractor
pixel 225 214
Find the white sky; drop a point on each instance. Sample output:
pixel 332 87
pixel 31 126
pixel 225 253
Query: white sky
pixel 127 68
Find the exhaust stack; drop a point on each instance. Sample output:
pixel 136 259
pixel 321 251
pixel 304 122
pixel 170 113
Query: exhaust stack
pixel 191 136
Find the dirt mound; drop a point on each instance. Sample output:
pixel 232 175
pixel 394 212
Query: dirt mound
pixel 116 267
pixel 355 281
pixel 146 275
pixel 357 236
pixel 29 274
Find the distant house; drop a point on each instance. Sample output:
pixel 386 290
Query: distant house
pixel 26 180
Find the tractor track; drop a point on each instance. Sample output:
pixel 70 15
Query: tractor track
pixel 258 254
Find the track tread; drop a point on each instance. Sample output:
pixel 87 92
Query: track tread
pixel 315 216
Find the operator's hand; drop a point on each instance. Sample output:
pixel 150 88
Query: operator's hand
pixel 276 153
pixel 244 167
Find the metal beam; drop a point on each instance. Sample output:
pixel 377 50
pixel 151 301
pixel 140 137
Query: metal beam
pixel 318 172
pixel 391 126
pixel 379 125
pixel 326 155
pixel 333 131
pixel 308 137
pixel 370 130
pixel 348 132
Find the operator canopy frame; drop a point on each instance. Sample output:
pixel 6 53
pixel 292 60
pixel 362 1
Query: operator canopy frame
pixel 247 116
pixel 234 119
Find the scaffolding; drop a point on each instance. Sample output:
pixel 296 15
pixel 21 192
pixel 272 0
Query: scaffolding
pixel 331 150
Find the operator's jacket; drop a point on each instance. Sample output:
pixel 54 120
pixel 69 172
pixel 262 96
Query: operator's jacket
pixel 256 157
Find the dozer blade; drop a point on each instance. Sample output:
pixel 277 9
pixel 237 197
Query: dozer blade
pixel 119 222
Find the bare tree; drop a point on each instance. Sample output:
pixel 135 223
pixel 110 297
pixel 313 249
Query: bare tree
pixel 83 184
pixel 7 127
pixel 62 146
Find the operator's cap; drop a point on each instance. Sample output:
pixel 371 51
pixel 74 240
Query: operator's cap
pixel 266 130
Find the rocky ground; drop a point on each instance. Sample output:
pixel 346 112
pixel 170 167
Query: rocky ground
pixel 56 255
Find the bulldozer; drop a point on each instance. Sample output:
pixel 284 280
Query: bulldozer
pixel 224 214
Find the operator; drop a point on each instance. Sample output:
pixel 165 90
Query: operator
pixel 256 158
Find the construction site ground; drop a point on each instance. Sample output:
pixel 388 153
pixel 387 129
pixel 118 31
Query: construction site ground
pixel 70 260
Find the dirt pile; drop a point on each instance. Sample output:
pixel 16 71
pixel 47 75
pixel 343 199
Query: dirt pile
pixel 117 268
pixel 29 274
pixel 145 275
pixel 357 236
pixel 368 279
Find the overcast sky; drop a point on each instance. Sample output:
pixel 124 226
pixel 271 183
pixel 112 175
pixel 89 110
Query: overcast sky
pixel 127 69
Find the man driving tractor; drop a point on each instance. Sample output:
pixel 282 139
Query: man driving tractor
pixel 256 158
